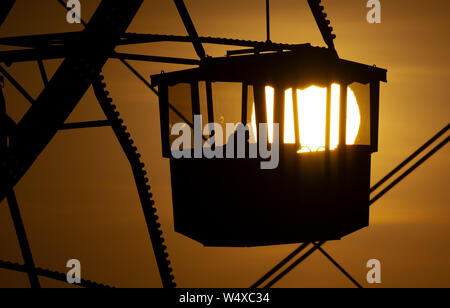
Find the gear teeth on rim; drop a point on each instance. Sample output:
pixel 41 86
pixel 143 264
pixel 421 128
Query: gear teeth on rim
pixel 142 181
pixel 50 274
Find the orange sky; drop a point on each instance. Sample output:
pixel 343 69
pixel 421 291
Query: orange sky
pixel 79 201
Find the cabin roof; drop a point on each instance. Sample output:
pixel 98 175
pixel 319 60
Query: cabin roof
pixel 302 67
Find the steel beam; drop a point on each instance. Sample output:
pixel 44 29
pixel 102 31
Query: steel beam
pixel 16 85
pixel 88 124
pixel 62 39
pixel 68 86
pixel 23 240
pixel 323 23
pixel 189 25
pixel 60 52
pixel 5 9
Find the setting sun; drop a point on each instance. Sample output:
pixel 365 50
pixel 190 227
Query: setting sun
pixel 312 117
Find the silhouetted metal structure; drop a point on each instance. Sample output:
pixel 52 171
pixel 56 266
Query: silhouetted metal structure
pixel 84 55
pixel 309 196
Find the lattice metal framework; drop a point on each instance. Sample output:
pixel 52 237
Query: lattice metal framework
pixel 21 143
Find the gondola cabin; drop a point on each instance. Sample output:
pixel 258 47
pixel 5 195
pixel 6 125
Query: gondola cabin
pixel 327 113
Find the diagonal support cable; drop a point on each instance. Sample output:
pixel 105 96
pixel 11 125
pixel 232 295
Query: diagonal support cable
pixel 293 255
pixel 293 265
pixel 277 267
pixel 410 158
pixel 410 170
pixel 339 267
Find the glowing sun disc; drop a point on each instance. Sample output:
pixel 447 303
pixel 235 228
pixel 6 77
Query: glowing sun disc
pixel 312 117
